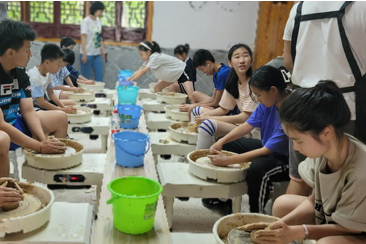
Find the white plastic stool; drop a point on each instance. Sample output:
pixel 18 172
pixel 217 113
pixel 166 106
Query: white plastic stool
pixel 14 161
pixel 178 182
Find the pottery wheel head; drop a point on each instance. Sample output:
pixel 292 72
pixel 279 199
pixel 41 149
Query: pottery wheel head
pixel 239 237
pixel 29 205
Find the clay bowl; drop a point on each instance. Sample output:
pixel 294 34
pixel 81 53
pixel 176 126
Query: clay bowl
pixel 230 174
pixel 184 132
pixel 13 221
pixel 171 97
pixel 71 158
pixel 172 112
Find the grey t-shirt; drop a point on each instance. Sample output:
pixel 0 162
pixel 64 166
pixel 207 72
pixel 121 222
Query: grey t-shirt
pixel 340 196
pixel 165 67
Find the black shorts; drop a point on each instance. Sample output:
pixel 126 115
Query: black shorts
pixel 186 75
pixel 181 85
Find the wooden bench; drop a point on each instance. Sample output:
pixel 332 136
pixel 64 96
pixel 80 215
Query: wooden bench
pixel 104 232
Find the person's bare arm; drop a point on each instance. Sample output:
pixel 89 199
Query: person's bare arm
pixel 83 43
pixel 139 73
pixel 17 136
pixel 233 119
pixel 31 118
pixel 288 62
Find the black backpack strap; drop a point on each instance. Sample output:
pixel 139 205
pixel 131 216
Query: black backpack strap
pixel 295 32
pixel 345 43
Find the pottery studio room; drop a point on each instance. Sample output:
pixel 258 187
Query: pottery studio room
pixel 175 122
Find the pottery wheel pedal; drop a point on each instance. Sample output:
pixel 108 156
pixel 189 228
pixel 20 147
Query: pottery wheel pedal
pixel 98 126
pixel 101 106
pixel 89 172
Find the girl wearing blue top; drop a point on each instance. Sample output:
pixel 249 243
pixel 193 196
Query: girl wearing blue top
pixel 269 156
pixel 166 68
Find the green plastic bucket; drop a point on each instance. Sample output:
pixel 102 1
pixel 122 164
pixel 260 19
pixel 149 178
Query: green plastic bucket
pixel 134 201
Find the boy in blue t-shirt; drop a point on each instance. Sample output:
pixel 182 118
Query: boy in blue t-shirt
pixel 205 62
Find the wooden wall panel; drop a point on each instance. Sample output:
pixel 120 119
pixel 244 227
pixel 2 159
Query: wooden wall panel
pixel 272 18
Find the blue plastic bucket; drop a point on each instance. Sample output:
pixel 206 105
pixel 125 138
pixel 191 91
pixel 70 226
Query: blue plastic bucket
pixel 126 72
pixel 131 148
pixel 129 115
pixel 125 83
pixel 127 94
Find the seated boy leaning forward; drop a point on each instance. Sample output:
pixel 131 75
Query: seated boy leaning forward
pixel 58 79
pixel 41 80
pixel 68 43
pixel 205 62
pixel 15 95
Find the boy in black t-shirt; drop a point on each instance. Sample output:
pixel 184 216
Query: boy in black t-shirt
pixel 17 115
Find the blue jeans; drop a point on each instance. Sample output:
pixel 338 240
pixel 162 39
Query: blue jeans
pixel 94 62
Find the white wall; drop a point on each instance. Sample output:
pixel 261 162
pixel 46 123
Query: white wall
pixel 209 27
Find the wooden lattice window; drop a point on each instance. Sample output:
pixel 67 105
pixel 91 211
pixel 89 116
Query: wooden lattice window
pixel 15 11
pixel 121 21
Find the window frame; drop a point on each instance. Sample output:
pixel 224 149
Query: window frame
pixel 111 35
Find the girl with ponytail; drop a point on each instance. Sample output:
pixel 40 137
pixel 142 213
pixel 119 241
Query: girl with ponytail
pixel 165 68
pixel 181 53
pixel 315 119
pixel 214 123
pixel 268 156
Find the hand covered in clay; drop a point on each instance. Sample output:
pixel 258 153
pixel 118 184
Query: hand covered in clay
pixel 9 196
pixel 276 233
pixel 52 145
pixel 218 158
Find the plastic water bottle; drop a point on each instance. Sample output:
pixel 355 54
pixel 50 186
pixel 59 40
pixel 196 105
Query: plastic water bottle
pixel 115 121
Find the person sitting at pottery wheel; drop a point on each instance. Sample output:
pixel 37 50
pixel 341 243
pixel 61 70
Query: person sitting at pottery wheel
pixel 41 81
pixel 181 53
pixel 237 93
pixel 269 156
pixel 166 68
pixel 75 76
pixel 315 119
pixel 205 62
pixel 61 76
pixel 15 95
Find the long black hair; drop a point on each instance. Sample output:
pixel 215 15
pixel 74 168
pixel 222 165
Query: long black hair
pixel 313 109
pixel 180 49
pixel 154 47
pixel 233 80
pixel 267 76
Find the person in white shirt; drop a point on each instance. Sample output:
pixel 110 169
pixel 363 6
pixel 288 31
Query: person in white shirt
pixel 326 40
pixel 92 48
pixel 166 68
